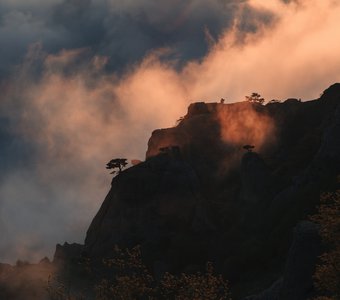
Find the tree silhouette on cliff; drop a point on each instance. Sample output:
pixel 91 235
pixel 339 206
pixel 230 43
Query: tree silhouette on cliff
pixel 116 163
pixel 255 98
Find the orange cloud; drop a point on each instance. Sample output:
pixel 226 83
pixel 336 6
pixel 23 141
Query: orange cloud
pixel 243 124
pixel 86 117
pixel 296 57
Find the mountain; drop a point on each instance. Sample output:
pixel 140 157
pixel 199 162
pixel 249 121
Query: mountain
pixel 199 196
pixel 202 195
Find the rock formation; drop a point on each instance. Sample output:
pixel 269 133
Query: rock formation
pixel 199 197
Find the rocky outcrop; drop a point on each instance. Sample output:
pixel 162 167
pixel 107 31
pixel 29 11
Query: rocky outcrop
pixel 272 293
pixel 200 197
pixel 297 280
pixel 67 252
pixel 330 147
pixel 152 204
pixel 197 135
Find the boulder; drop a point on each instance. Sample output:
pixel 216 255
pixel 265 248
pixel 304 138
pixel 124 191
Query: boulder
pixel 297 280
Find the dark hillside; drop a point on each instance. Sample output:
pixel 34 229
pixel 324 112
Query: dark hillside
pixel 233 184
pixel 200 196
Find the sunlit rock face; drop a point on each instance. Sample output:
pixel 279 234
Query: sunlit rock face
pixel 197 135
pixel 200 196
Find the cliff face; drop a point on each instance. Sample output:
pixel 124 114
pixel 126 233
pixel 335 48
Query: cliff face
pixel 199 196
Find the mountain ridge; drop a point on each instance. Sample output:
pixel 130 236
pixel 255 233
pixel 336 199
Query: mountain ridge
pixel 297 158
pixel 200 196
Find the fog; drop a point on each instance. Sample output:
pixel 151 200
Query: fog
pixel 87 81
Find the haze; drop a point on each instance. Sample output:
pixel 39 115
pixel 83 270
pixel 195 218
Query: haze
pixel 86 81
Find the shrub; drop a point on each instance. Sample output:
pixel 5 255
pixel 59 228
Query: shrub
pixel 130 279
pixel 327 273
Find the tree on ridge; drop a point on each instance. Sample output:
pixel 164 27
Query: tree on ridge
pixel 116 163
pixel 255 98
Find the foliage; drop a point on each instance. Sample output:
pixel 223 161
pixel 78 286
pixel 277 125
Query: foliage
pixel 57 290
pixel 117 163
pixel 255 98
pixel 194 286
pixel 327 274
pixel 134 281
pixel 130 279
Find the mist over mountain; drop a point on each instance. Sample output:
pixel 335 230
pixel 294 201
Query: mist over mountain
pixel 84 81
pixel 62 44
pixel 199 196
pixel 230 183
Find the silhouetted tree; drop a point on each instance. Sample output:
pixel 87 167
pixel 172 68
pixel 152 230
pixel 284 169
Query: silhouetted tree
pixel 117 163
pixel 255 98
pixel 248 147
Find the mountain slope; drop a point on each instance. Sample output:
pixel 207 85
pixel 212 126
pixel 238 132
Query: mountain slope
pixel 200 196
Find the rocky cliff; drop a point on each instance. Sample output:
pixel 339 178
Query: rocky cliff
pixel 200 196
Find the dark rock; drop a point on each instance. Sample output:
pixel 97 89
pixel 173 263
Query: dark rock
pixel 300 266
pixel 330 146
pixel 292 101
pixel 67 252
pixel 160 202
pixel 332 92
pixel 197 109
pixel 255 177
pixel 272 293
pixel 196 199
pixel 297 280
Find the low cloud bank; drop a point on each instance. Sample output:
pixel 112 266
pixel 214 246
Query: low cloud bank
pixel 65 113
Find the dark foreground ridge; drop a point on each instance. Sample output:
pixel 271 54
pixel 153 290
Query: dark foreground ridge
pixel 200 196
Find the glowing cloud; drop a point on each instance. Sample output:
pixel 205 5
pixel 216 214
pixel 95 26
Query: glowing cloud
pixel 296 57
pixel 79 116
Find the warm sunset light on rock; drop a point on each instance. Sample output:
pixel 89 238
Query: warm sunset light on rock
pixel 221 123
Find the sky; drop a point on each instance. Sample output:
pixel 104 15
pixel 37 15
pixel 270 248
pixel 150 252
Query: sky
pixel 85 81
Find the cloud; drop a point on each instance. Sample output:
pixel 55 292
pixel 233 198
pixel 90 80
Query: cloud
pixel 75 121
pixel 125 31
pixel 296 57
pixel 104 75
pixel 241 125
